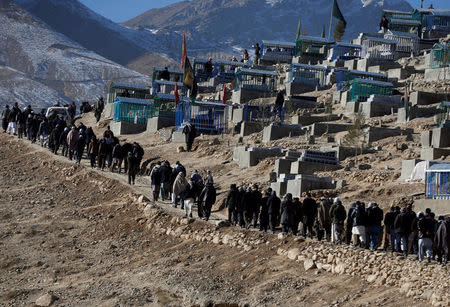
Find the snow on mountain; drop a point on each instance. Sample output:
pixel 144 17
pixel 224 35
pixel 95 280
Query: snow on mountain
pixel 99 34
pixel 244 22
pixel 43 66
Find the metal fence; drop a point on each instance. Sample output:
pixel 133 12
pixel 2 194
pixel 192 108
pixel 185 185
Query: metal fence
pixel 163 108
pixel 308 74
pixel 380 49
pixel 263 114
pixel 132 112
pixel 345 52
pixel 208 118
pixel 360 89
pixel 440 56
pixel 345 77
pixel 406 42
pixel 437 184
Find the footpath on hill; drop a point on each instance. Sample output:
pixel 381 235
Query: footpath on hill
pixel 75 236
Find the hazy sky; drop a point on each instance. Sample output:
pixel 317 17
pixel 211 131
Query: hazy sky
pixel 122 10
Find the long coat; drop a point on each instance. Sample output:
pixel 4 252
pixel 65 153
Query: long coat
pixel 72 139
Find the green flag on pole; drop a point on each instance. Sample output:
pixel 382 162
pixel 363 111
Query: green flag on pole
pixel 337 12
pixel 299 29
pixel 339 30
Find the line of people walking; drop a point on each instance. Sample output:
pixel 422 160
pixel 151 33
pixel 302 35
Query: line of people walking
pixel 401 230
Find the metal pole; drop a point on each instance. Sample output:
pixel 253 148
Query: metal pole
pixel 331 21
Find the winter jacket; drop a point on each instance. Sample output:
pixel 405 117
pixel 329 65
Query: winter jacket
pixel 374 216
pixel 93 147
pixel 287 212
pixel 117 151
pixel 232 198
pixel 256 201
pixel 166 173
pixel 389 219
pixel 402 224
pixel 324 213
pixel 179 184
pixel 337 213
pixel 155 175
pixel 44 128
pixel 425 227
pixel 72 138
pixel 359 216
pixel 208 195
pixel 298 211
pixel 273 204
pixel 442 237
pixel 264 212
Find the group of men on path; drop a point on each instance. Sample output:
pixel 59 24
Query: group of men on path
pixel 402 230
pixel 171 183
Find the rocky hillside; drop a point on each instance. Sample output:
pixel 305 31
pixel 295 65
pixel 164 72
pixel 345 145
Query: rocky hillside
pixel 244 22
pixel 41 66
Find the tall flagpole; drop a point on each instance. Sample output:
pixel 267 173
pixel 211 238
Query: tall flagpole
pixel 331 21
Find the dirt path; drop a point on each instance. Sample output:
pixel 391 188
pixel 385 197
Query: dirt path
pixel 78 234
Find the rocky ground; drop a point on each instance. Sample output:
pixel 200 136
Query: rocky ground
pixel 75 236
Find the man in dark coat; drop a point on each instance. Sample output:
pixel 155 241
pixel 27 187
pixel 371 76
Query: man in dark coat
pixel 337 215
pixel 287 213
pixel 247 201
pixel 389 230
pixel 349 224
pixel 240 207
pixel 298 214
pixel 207 198
pixel 279 102
pixel 256 201
pixel 324 219
pixel 132 168
pixel 442 239
pixel 374 218
pixel 166 177
pixel 5 117
pixel 155 176
pixel 273 205
pixel 190 133
pixel 425 228
pixel 12 119
pixel 309 215
pixel 402 225
pixel 117 156
pixel 102 152
pixel 231 204
pixel 264 212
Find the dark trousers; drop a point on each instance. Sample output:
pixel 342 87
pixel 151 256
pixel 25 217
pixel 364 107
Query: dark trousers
pixel 207 210
pixel 240 217
pixel 101 161
pixel 156 189
pixel 308 228
pixel 255 219
pixel 232 218
pixel 273 223
pixel 93 157
pixel 131 177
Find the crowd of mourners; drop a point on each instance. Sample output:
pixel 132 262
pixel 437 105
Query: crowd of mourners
pixel 62 136
pixel 400 229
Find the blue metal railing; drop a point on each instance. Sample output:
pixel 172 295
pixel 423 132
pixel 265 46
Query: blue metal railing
pixel 437 184
pixel 207 118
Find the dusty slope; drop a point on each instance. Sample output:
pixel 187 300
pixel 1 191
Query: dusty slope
pixel 75 233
